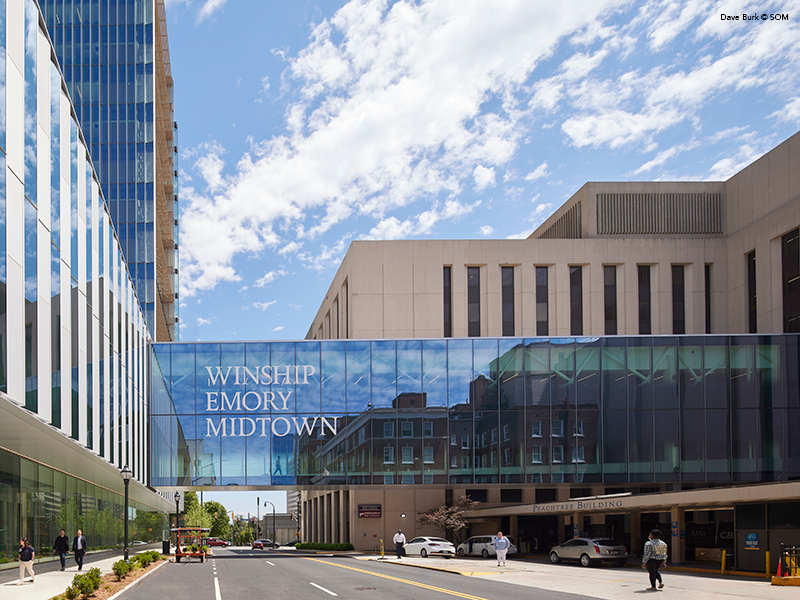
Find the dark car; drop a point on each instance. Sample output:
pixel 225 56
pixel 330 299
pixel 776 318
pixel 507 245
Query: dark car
pixel 590 551
pixel 212 541
pixel 293 543
pixel 264 543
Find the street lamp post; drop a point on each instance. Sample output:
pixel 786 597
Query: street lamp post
pixel 126 475
pixel 258 518
pixel 273 519
pixel 177 501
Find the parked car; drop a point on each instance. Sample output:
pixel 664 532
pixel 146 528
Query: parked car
pixel 292 543
pixel 264 543
pixel 590 551
pixel 425 546
pixel 484 545
pixel 212 541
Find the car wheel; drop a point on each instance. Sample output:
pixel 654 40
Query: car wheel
pixel 447 556
pixel 554 558
pixel 620 563
pixel 485 553
pixel 461 552
pixel 423 553
pixel 585 560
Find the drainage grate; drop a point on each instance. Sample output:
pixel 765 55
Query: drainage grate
pixel 363 589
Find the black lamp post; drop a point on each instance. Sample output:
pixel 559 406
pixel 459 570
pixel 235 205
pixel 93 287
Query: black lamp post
pixel 126 477
pixel 177 501
pixel 273 519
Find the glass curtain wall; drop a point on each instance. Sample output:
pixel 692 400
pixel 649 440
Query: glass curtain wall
pixel 507 410
pixel 37 501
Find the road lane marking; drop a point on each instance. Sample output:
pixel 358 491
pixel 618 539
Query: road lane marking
pixel 269 563
pixel 216 589
pixel 322 588
pixel 398 579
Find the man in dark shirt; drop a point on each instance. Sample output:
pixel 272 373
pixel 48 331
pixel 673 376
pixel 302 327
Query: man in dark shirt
pixel 61 546
pixel 79 548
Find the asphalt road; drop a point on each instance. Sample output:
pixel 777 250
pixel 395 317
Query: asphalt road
pixel 241 573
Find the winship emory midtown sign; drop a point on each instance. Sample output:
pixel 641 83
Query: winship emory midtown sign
pixel 260 401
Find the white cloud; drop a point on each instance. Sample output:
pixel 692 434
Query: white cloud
pixel 483 178
pixel 727 167
pixel 391 110
pixel 262 306
pixel 290 248
pixel 209 8
pixel 295 306
pixel 202 321
pixel 270 277
pixel 487 230
pixel 789 113
pixel 538 173
pixel 279 328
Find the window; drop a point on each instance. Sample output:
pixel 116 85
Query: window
pixel 536 429
pixel 506 435
pixel 453 441
pixel 465 441
pixel 536 454
pixel 751 292
pixel 427 478
pixel 575 301
pixel 388 429
pixel 448 302
pixel 678 300
pixel 388 479
pixel 494 435
pixel 708 297
pixel 507 456
pixel 645 327
pixel 507 276
pixel 473 301
pixel 427 455
pixel 362 435
pixel 407 429
pixel 541 301
pixel 790 266
pixel 427 428
pixel 453 462
pixel 388 455
pixel 558 428
pixel 346 311
pixel 578 454
pixel 610 298
pixel 557 478
pixel 407 455
pixel 335 317
pixel 536 478
pixel 483 441
pixel 558 454
pixel 578 429
pixel 493 459
pixel 465 462
pixel 407 478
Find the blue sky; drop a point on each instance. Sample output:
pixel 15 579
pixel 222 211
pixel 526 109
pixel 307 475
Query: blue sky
pixel 306 125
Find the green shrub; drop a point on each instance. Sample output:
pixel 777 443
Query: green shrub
pixel 71 593
pixel 120 568
pixel 143 559
pixel 85 584
pixel 318 546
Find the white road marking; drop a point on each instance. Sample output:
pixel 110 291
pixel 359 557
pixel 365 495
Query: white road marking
pixel 216 588
pixel 269 563
pixel 318 587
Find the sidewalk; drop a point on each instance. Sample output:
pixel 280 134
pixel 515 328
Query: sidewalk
pixel 50 580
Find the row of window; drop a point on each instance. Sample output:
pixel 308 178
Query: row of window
pixel 790 284
pixel 488 460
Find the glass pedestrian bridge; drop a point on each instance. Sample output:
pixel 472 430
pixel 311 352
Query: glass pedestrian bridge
pixel 702 409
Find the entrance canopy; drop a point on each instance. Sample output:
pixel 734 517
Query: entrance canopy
pixel 443 412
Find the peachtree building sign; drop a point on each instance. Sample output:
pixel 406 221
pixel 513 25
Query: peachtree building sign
pixel 576 505
pixel 253 401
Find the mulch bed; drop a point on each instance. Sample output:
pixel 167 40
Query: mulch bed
pixel 109 584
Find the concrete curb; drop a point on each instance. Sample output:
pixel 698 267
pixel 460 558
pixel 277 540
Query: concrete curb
pixel 133 584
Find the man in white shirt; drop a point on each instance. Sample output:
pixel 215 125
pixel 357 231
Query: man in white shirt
pixel 399 541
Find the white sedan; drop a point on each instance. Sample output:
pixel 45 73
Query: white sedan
pixel 425 546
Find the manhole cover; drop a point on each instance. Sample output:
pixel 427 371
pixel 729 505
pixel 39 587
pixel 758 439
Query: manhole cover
pixel 362 589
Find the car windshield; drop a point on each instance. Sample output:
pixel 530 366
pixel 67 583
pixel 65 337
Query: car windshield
pixel 607 542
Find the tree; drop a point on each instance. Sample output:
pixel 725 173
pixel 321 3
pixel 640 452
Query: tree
pixel 189 501
pixel 219 519
pixel 197 517
pixel 449 518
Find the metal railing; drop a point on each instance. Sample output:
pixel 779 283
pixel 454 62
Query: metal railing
pixel 790 561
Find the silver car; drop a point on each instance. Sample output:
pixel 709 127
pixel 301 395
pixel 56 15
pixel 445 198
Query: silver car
pixel 484 545
pixel 590 551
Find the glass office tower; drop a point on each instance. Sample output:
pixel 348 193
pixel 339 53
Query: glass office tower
pixel 114 57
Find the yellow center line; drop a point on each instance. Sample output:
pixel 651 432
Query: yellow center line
pixel 407 581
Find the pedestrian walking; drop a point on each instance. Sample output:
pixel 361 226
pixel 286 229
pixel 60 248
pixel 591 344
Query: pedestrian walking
pixel 79 548
pixel 26 554
pixel 501 545
pixel 654 558
pixel 61 547
pixel 399 542
pixel 278 470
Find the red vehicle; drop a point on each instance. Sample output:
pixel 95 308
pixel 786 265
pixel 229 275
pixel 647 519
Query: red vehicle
pixel 189 543
pixel 212 541
pixel 258 544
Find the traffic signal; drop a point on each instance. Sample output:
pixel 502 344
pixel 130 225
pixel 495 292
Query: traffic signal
pixel 293 517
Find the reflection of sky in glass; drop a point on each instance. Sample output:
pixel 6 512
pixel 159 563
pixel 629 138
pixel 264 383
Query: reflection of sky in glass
pixel 459 371
pixel 434 372
pixel 333 377
pixel 384 373
pixel 208 355
pixel 183 380
pixel 308 395
pixel 283 356
pixel 358 376
pixel 409 366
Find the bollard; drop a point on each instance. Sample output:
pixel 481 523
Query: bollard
pixel 769 576
pixel 381 549
pixel 722 569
